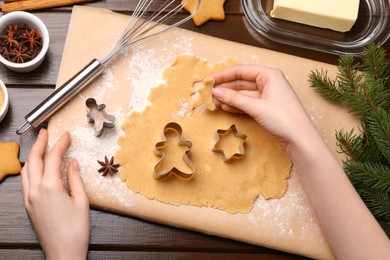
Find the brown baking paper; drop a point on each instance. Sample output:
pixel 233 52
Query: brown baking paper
pixel 286 224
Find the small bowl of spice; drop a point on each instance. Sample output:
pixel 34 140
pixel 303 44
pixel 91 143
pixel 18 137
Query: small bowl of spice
pixel 4 101
pixel 24 41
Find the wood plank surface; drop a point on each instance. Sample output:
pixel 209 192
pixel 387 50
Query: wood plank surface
pixel 114 236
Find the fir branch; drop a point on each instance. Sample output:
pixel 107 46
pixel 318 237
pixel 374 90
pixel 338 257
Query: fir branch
pixel 349 143
pixel 379 125
pixel 350 81
pixel 326 87
pixel 349 77
pixel 358 147
pixel 376 66
pixel 370 151
pixel 376 94
pixel 364 88
pixel 373 175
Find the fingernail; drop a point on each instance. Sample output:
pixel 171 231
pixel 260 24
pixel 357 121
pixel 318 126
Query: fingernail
pixel 41 131
pixel 218 93
pixel 76 165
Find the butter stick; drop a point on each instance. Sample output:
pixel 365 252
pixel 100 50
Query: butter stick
pixel 28 5
pixel 337 15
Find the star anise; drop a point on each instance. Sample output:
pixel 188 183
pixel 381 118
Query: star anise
pixel 20 44
pixel 19 55
pixel 32 38
pixel 108 166
pixel 9 39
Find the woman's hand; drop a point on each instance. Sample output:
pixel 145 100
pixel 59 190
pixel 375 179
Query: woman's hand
pixel 60 218
pixel 264 94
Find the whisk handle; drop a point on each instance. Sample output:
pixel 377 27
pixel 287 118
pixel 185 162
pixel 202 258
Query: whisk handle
pixel 60 96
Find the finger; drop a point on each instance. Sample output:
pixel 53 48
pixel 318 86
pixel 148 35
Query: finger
pixel 35 164
pixel 75 182
pixel 239 72
pixel 237 100
pixel 54 158
pixel 238 85
pixel 253 94
pixel 24 182
pixel 231 109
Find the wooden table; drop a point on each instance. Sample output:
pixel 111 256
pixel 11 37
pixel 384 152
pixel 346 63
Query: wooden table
pixel 116 236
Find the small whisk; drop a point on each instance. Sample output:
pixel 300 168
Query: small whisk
pixel 145 22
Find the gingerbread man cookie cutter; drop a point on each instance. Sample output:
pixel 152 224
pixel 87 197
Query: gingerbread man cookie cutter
pixel 241 148
pixel 172 126
pixel 98 116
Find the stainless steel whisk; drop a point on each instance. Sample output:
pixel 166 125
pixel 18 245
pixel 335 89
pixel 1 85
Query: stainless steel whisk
pixel 144 23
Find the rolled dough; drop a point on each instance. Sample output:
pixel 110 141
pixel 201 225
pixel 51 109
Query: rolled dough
pixel 205 96
pixel 232 187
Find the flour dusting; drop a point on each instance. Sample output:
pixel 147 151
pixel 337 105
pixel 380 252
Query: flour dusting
pixel 149 69
pixel 290 215
pixel 143 71
pixel 287 223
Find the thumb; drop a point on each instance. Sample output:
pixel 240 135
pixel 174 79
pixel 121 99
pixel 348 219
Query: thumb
pixel 75 182
pixel 237 100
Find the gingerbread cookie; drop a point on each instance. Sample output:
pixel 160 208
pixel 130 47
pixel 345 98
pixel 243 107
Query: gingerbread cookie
pixel 208 10
pixel 9 162
pixel 205 95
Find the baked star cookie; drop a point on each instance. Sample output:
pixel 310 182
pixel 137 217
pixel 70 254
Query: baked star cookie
pixel 208 10
pixel 9 162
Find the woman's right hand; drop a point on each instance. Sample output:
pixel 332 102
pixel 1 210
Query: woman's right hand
pixel 264 94
pixel 267 96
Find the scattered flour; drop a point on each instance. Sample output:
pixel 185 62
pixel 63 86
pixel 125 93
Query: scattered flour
pixel 144 73
pixel 149 69
pixel 185 109
pixel 290 215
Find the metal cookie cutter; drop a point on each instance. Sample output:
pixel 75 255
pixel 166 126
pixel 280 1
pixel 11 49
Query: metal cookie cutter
pixel 172 126
pixel 222 132
pixel 98 116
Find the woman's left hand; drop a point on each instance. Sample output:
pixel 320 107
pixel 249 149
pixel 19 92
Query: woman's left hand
pixel 60 218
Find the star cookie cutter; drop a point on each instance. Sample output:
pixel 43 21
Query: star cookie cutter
pixel 98 116
pixel 223 132
pixel 172 126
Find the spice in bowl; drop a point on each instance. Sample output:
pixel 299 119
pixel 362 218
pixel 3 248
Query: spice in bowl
pixel 24 41
pixel 20 44
pixel 4 102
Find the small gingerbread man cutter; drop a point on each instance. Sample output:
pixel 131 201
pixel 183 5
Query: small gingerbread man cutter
pixel 98 116
pixel 160 145
pixel 222 132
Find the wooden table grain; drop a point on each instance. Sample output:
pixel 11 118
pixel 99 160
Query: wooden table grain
pixel 114 236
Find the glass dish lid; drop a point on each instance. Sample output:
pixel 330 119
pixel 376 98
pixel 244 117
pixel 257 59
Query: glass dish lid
pixel 372 25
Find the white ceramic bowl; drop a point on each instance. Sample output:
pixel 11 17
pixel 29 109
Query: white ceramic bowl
pixel 4 107
pixel 31 21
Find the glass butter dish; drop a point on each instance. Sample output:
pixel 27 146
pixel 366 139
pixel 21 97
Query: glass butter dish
pixel 372 25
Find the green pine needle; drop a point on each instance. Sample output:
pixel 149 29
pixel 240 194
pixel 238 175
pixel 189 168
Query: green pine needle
pixel 375 176
pixel 325 86
pixel 379 124
pixel 350 144
pixel 376 65
pixel 364 88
